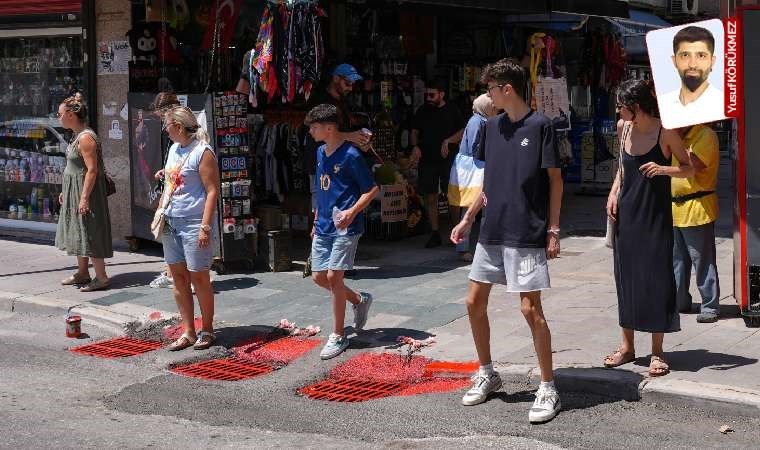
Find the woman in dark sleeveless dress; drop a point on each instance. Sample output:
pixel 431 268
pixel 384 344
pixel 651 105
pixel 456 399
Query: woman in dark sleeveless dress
pixel 639 201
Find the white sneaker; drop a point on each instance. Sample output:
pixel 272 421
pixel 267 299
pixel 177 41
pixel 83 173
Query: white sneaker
pixel 162 281
pixel 334 347
pixel 546 406
pixel 483 384
pixel 361 310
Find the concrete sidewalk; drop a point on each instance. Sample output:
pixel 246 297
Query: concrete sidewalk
pixel 420 292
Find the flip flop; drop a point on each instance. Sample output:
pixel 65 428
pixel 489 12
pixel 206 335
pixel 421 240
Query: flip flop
pixel 182 343
pixel 658 367
pixel 618 358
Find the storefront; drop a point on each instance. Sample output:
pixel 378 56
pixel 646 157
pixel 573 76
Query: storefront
pixel 257 103
pixel 43 59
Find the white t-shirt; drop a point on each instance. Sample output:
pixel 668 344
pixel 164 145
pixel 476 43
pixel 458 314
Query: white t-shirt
pixel 707 108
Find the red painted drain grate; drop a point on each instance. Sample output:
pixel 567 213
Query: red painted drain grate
pixel 117 348
pixel 229 369
pixel 350 390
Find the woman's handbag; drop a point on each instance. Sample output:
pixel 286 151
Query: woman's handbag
pixel 159 217
pixel 609 237
pixel 110 185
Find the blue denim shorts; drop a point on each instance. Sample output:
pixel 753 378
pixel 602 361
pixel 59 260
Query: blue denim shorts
pixel 180 241
pixel 333 252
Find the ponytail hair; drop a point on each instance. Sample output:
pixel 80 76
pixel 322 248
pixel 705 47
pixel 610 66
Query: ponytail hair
pixel 185 117
pixel 76 104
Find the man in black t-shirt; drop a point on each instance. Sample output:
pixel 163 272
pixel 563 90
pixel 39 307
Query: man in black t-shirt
pixel 523 191
pixel 436 125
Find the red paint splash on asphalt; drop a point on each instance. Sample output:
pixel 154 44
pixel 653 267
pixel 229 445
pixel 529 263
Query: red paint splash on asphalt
pixel 279 352
pixel 419 375
pixel 155 315
pixel 174 332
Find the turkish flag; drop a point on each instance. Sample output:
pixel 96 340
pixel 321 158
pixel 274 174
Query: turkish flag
pixel 228 12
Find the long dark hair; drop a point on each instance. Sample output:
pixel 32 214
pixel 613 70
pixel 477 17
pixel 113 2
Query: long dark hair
pixel 638 95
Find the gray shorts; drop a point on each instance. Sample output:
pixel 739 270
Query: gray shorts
pixel 520 269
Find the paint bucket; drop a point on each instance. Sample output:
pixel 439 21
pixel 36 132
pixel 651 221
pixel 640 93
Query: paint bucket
pixel 73 326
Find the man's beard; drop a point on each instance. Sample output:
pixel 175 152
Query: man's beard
pixel 693 82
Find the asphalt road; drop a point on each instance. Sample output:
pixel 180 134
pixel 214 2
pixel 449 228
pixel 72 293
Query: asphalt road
pixel 51 398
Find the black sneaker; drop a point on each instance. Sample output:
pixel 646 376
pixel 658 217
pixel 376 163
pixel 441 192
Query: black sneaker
pixel 707 317
pixel 434 241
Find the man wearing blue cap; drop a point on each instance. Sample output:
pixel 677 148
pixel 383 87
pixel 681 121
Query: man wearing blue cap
pixel 341 84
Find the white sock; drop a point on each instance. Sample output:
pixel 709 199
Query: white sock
pixel 487 369
pixel 548 385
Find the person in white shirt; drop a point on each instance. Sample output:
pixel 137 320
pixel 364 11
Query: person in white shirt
pixel 697 101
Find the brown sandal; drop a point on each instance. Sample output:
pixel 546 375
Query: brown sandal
pixel 618 358
pixel 76 279
pixel 95 285
pixel 205 339
pixel 182 343
pixel 658 367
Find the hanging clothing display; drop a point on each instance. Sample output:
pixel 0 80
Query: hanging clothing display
pixel 289 53
pixel 279 160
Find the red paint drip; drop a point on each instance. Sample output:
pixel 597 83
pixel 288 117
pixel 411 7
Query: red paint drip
pixel 173 333
pixel 435 386
pixel 155 315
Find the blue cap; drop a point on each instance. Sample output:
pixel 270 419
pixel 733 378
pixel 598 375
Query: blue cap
pixel 348 72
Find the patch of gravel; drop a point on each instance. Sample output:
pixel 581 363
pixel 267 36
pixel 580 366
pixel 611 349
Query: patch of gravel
pixel 151 330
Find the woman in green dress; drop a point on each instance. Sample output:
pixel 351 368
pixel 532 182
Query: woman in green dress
pixel 84 225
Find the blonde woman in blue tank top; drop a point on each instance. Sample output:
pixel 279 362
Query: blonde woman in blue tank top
pixel 192 179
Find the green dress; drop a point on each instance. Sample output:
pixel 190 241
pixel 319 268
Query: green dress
pixel 89 234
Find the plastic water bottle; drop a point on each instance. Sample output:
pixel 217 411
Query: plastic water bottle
pixel 336 213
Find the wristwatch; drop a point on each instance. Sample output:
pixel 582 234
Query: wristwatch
pixel 205 227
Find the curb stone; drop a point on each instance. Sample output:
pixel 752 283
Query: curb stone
pixel 111 319
pixel 631 386
pixel 716 396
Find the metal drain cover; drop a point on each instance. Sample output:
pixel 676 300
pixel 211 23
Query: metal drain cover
pixel 117 348
pixel 228 369
pixel 350 390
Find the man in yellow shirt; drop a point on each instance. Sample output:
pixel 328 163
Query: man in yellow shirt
pixel 695 210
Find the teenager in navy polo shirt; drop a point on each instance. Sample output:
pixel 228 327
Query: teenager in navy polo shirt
pixel 522 188
pixel 344 187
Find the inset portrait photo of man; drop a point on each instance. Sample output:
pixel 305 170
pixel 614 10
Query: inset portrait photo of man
pixel 687 66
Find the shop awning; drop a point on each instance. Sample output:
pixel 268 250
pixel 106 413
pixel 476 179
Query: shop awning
pixel 602 8
pixel 508 6
pixel 640 22
pixel 556 21
pixel 633 31
pixel 30 7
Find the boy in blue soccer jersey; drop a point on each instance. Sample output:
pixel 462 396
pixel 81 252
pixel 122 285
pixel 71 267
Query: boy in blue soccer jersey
pixel 344 187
